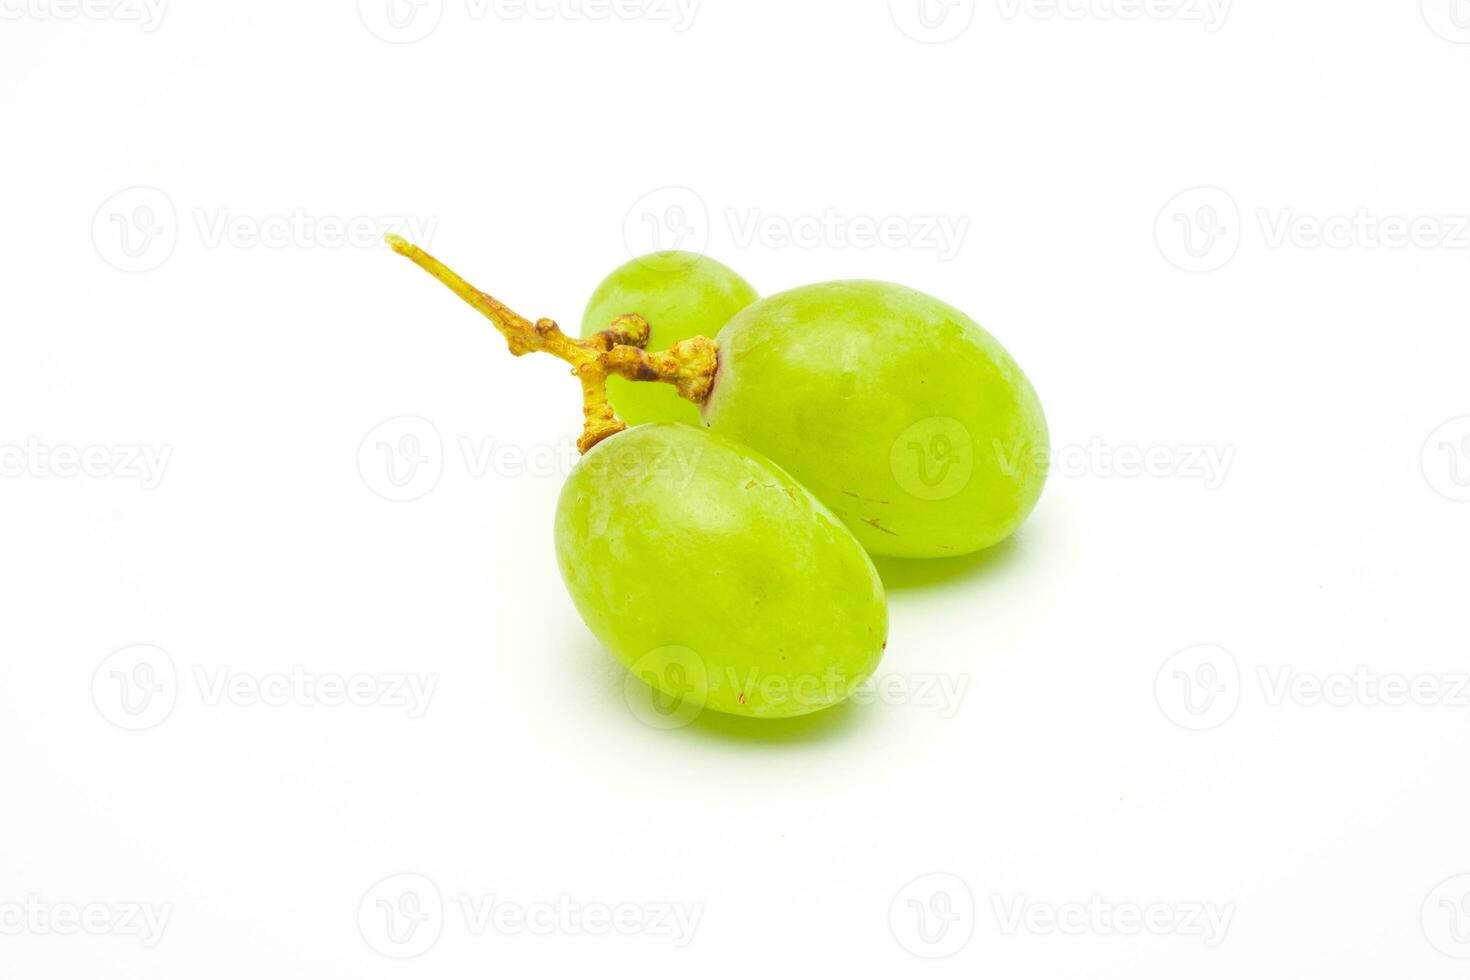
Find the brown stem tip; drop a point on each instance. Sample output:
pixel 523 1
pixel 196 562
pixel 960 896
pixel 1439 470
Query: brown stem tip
pixel 617 351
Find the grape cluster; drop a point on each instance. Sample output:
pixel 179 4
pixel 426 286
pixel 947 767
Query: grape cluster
pixel 720 547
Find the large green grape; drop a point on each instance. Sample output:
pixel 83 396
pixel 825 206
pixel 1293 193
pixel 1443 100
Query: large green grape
pixel 713 575
pixel 681 295
pixel 899 412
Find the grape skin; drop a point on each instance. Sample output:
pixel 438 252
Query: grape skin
pixel 670 537
pixel 899 412
pixel 681 295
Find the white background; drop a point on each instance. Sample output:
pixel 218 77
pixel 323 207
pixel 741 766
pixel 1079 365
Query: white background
pixel 1187 224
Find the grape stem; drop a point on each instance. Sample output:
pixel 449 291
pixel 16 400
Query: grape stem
pixel 618 351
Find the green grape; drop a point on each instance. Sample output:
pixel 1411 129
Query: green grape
pixel 899 413
pixel 681 295
pixel 713 575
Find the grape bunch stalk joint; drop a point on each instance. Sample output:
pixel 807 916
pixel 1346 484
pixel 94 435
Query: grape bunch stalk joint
pixel 618 351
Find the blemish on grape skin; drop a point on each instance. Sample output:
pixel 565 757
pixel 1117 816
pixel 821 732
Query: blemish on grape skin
pixel 866 500
pixel 789 491
pixel 873 521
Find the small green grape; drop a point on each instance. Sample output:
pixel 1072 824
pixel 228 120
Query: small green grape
pixel 712 574
pixel 681 295
pixel 899 412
